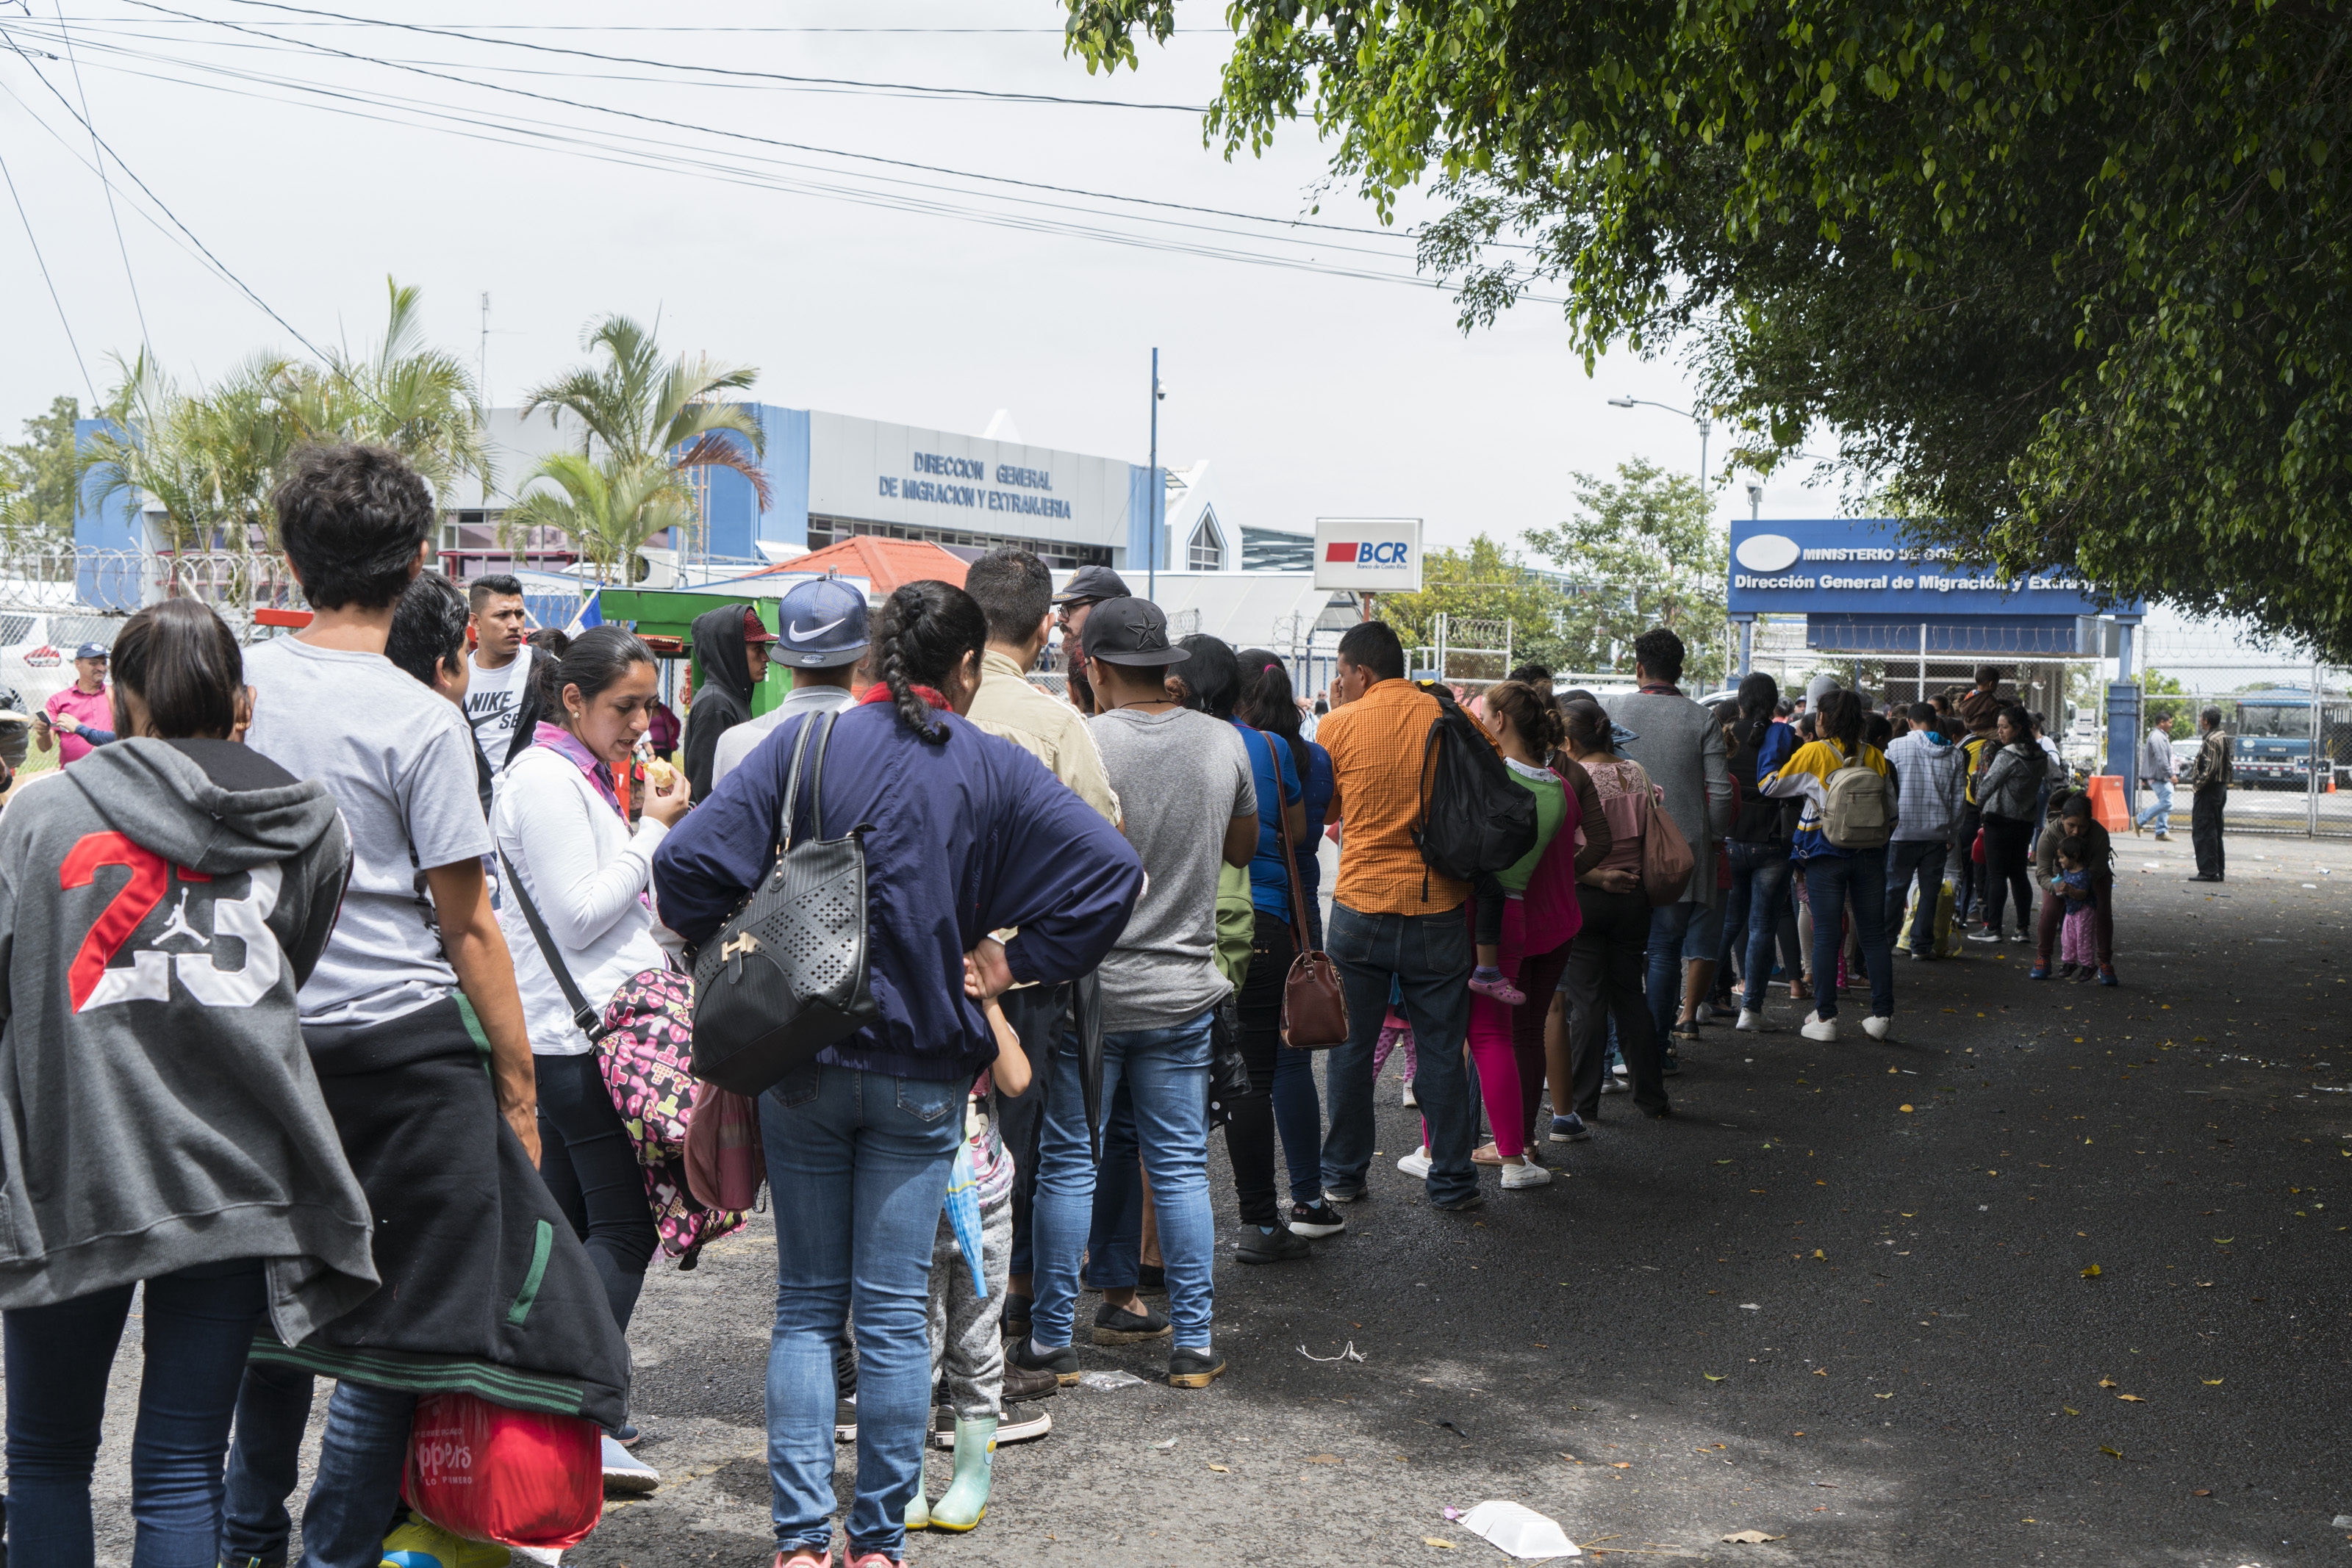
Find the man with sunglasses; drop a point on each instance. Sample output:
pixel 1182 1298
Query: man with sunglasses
pixel 81 717
pixel 1088 586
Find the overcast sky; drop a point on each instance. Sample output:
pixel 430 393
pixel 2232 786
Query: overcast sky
pixel 1312 393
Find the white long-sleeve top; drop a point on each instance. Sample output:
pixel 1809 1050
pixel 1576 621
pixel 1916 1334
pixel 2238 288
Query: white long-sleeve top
pixel 586 874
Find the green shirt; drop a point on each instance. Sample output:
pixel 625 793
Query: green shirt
pixel 1551 808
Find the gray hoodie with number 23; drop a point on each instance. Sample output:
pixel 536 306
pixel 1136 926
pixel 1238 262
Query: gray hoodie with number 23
pixel 159 903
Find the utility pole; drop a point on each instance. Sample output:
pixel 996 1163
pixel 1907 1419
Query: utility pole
pixel 1158 491
pixel 482 357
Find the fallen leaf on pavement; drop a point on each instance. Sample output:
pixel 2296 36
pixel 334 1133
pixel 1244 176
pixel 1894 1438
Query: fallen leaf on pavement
pixel 1322 1458
pixel 1712 1377
pixel 2202 1491
pixel 1818 1253
pixel 2106 1383
pixel 1882 1396
pixel 2224 1241
pixel 2131 1398
pixel 1441 1545
pixel 2093 1272
pixel 2070 1410
pixel 1221 1469
pixel 1821 1371
pixel 1621 1465
pixel 2111 1453
pixel 1750 1538
pixel 1905 1109
pixel 2212 1383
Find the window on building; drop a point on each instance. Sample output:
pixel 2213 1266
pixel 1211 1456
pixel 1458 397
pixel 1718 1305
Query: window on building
pixel 1206 550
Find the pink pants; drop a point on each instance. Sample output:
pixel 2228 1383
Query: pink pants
pixel 1490 1042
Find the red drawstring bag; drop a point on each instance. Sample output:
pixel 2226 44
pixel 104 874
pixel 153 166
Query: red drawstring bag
pixel 726 1164
pixel 1975 849
pixel 518 1478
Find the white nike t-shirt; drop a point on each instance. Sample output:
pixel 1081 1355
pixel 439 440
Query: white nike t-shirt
pixel 494 703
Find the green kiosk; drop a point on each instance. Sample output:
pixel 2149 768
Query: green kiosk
pixel 663 617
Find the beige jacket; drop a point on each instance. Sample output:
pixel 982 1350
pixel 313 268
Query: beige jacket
pixel 1046 728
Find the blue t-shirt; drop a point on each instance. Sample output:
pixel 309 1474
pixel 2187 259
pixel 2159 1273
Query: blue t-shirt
pixel 1319 785
pixel 1270 760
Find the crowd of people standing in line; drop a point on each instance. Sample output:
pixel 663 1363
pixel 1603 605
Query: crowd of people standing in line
pixel 329 968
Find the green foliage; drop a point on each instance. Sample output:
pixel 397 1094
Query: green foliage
pixel 649 423
pixel 36 475
pixel 2163 697
pixel 1641 551
pixel 209 458
pixel 2066 280
pixel 1486 582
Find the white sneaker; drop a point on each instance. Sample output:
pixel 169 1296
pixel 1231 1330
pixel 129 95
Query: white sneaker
pixel 1528 1173
pixel 1819 1028
pixel 1416 1164
pixel 1877 1028
pixel 624 1472
pixel 1752 1021
pixel 1406 1098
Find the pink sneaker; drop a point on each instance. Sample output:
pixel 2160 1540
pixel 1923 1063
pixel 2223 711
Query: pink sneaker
pixel 1493 983
pixel 874 1560
pixel 806 1557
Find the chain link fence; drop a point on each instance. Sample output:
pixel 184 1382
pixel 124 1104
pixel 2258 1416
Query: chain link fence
pixel 2288 716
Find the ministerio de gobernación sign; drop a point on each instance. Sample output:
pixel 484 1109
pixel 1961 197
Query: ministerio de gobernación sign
pixel 1859 568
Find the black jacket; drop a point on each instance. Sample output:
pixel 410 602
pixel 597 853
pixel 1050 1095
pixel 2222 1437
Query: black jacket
pixel 722 693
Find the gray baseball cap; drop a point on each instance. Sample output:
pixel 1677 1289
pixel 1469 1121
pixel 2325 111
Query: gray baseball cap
pixel 824 625
pixel 1090 584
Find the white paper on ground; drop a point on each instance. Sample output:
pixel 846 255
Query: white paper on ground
pixel 1519 1530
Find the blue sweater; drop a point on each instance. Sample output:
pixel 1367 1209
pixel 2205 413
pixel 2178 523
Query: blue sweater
pixel 970 836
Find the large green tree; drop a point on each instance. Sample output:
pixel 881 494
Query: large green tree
pixel 1641 551
pixel 2066 280
pixel 36 475
pixel 1490 583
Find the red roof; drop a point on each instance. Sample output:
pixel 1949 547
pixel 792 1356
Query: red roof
pixel 886 563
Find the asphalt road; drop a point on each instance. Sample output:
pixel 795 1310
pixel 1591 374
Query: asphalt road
pixel 1841 1299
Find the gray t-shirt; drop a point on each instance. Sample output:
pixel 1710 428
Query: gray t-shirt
pixel 744 739
pixel 398 759
pixel 1181 778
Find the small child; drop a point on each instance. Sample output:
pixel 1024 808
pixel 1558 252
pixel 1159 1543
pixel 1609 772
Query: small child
pixel 1488 979
pixel 1396 1030
pixel 966 1318
pixel 2078 943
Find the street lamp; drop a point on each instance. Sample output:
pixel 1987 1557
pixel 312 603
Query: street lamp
pixel 1705 425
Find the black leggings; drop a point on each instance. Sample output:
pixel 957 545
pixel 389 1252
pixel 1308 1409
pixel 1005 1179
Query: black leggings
pixel 2008 844
pixel 586 1161
pixel 1249 1136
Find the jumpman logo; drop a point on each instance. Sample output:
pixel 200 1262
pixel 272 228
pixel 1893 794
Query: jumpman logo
pixel 178 925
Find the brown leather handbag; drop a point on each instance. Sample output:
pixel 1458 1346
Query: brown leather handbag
pixel 1666 858
pixel 1313 1003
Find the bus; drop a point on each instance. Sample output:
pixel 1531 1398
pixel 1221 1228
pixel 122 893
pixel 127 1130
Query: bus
pixel 2273 726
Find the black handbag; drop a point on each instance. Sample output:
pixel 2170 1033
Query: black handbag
pixel 786 976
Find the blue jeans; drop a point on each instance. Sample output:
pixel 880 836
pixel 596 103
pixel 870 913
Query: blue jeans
pixel 865 1158
pixel 1426 959
pixel 1115 1236
pixel 1165 1072
pixel 1669 923
pixel 1920 860
pixel 1760 885
pixel 199 1324
pixel 356 1496
pixel 1831 880
pixel 2159 814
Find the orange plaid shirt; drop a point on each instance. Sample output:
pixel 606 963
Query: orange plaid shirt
pixel 1377 744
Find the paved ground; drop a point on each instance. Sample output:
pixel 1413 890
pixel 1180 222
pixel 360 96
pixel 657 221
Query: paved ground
pixel 1841 1299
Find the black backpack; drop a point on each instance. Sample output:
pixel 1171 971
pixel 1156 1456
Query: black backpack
pixel 1473 820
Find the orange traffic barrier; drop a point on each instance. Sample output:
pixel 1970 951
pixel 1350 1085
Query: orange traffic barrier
pixel 2107 802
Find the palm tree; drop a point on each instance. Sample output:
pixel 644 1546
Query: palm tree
pixel 418 401
pixel 208 460
pixel 648 422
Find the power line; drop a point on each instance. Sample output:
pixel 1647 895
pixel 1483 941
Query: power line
pixel 88 385
pixel 146 339
pixel 961 92
pixel 133 175
pixel 769 141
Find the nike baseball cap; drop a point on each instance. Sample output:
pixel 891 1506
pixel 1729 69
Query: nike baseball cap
pixel 824 626
pixel 1131 631
pixel 1091 584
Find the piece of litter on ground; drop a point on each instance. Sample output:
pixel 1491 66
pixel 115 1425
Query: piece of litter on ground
pixel 1350 1354
pixel 1749 1306
pixel 1103 1382
pixel 1748 1538
pixel 2342 1521
pixel 1441 1545
pixel 1221 1469
pixel 1163 1447
pixel 1519 1530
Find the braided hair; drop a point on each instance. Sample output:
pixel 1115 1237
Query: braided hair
pixel 927 629
pixel 1536 718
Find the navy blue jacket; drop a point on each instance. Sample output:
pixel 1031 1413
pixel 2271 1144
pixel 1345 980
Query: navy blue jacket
pixel 970 835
